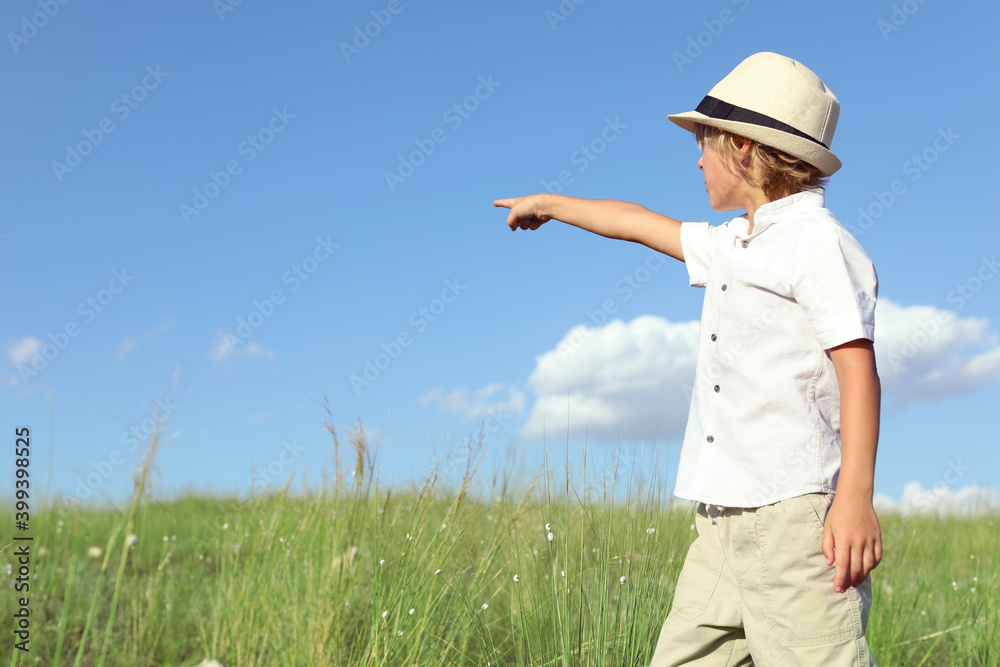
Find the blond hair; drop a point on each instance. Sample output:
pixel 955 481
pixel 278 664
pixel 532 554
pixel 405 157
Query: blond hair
pixel 775 172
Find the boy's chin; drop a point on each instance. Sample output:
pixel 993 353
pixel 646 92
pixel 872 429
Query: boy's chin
pixel 724 208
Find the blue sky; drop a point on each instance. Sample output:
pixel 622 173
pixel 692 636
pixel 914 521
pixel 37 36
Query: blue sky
pixel 223 214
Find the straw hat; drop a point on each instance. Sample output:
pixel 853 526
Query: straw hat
pixel 776 101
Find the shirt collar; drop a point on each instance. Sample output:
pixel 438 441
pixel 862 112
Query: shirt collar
pixel 779 209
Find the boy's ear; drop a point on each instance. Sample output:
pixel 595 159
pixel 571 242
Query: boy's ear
pixel 746 145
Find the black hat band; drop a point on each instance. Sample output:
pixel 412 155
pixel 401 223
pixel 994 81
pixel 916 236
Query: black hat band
pixel 716 108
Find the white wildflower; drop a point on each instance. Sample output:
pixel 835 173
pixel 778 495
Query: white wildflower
pixel 225 526
pixel 381 562
pixel 399 633
pixel 94 552
pixel 650 531
pixel 486 606
pixel 437 572
pixel 412 612
pixel 551 537
pixel 563 573
pixel 517 578
pixel 548 527
pixel 132 540
pixel 622 581
pixel 385 615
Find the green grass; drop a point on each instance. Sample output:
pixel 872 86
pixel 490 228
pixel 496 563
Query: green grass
pixel 329 577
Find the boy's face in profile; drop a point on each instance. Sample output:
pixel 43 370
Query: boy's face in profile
pixel 727 191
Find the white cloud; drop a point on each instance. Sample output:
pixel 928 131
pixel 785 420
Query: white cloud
pixel 166 324
pixel 255 350
pixel 481 403
pixel 633 380
pixel 617 381
pixel 128 346
pixel 23 351
pixel 228 346
pixel 941 500
pixel 928 354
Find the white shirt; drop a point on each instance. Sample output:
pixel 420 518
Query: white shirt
pixel 764 423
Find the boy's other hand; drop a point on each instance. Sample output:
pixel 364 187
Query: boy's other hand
pixel 525 212
pixel 852 539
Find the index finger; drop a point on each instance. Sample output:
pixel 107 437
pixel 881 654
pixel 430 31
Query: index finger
pixel 506 203
pixel 842 570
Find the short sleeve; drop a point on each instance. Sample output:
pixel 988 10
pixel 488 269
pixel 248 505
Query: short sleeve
pixel 834 281
pixel 698 246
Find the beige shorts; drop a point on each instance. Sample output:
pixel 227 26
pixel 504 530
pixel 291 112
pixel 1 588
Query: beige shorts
pixel 756 590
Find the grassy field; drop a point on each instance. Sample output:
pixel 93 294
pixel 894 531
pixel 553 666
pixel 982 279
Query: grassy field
pixel 538 573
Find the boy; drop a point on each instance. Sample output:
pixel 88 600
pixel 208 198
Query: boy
pixel 779 451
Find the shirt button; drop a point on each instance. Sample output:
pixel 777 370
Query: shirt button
pixel 745 244
pixel 716 389
pixel 714 337
pixel 725 287
pixel 710 439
